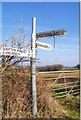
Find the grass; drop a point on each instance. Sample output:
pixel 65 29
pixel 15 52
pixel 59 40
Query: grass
pixel 17 99
pixel 72 105
pixel 73 114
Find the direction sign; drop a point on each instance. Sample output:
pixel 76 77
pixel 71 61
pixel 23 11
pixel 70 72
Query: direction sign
pixel 8 51
pixel 49 34
pixel 43 46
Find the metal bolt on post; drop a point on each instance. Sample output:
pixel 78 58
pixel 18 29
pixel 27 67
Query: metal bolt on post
pixel 33 67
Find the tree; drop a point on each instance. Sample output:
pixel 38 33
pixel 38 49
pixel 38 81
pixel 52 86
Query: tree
pixel 56 67
pixel 18 40
pixel 77 66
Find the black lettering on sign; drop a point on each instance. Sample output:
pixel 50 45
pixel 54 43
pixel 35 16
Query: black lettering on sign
pixel 42 45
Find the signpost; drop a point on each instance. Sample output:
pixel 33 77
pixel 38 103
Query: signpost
pixel 8 51
pixel 49 34
pixel 34 44
pixel 33 67
pixel 43 46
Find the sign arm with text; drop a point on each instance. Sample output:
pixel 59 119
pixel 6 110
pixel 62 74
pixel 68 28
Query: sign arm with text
pixel 43 46
pixel 49 34
pixel 8 51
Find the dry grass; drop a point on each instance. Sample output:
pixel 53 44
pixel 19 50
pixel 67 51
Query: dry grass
pixel 16 94
pixel 47 105
pixel 17 97
pixel 55 75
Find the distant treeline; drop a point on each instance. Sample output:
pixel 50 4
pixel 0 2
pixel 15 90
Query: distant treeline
pixel 56 67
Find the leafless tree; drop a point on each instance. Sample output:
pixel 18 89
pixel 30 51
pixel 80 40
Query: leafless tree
pixel 18 40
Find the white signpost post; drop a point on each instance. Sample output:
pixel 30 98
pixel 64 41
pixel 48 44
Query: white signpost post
pixel 33 67
pixel 8 51
pixel 37 36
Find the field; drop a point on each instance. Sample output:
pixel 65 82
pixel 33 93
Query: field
pixel 17 102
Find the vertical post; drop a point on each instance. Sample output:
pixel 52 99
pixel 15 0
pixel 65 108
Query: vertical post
pixel 33 67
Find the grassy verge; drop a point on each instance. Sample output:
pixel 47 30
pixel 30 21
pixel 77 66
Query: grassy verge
pixel 72 105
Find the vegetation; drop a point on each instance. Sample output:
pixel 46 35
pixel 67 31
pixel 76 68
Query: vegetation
pixel 50 68
pixel 17 102
pixel 57 67
pixel 16 89
pixel 72 105
pixel 77 66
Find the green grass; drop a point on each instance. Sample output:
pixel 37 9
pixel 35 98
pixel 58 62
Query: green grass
pixel 73 114
pixel 72 105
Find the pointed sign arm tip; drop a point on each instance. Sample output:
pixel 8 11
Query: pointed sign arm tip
pixel 49 34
